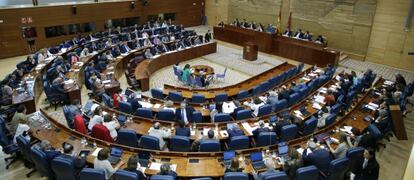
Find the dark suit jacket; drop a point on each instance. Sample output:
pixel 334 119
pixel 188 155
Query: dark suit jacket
pixel 188 111
pixel 134 103
pixel 320 158
pixel 368 141
pixel 257 131
pixel 284 95
pixel 370 172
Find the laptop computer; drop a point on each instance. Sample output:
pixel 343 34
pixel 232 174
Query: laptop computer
pixel 283 150
pixel 257 160
pixel 115 155
pixel 227 156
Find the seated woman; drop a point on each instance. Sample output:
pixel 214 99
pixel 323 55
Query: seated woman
pixel 102 162
pixel 134 166
pixel 234 166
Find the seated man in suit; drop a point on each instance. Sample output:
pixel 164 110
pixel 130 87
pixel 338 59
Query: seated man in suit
pixel 125 48
pixel 184 113
pixel 50 152
pixel 133 99
pixel 73 110
pixel 298 34
pixel 68 154
pixel 196 144
pixel 307 36
pixel 58 88
pixel 287 33
pixel 98 86
pixel 319 157
pixel 272 99
pixel 182 130
pixel 159 133
pixel 320 40
pixel 283 93
pixel 260 129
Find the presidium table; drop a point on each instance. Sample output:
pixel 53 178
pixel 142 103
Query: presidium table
pixel 296 49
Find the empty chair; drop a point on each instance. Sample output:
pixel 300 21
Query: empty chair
pixel 92 173
pixel 125 175
pixel 149 142
pixel 222 117
pixel 166 115
pixel 197 117
pixel 127 137
pixel 238 142
pixel 244 114
pixel 309 126
pixel 180 143
pixel 336 108
pixel 221 97
pixel 24 147
pixel 280 105
pixel 144 112
pixel 264 110
pixel 107 100
pixel 235 176
pixel 294 98
pixel 203 178
pixel 330 119
pixel 125 107
pixel 162 177
pixel 256 90
pixel 266 139
pixel 41 163
pixel 222 76
pixel 337 169
pixel 64 168
pixel 242 94
pixel 209 145
pixel 281 175
pixel 198 98
pixel 288 132
pixel 157 93
pixel 175 96
pixel 6 142
pixel 307 173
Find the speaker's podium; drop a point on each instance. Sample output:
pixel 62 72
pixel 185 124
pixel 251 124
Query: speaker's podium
pixel 250 51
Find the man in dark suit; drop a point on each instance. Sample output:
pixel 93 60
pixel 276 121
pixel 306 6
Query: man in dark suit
pixel 58 88
pixel 283 94
pixel 184 113
pixel 370 167
pixel 318 157
pixel 49 151
pixel 287 32
pixel 260 129
pixel 307 36
pixel 67 154
pixel 133 99
pixel 207 36
pixel 298 34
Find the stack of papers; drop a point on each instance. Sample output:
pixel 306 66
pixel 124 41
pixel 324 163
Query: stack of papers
pixel 223 133
pixel 312 74
pixel 388 83
pixel 346 129
pixel 306 79
pixel 317 106
pixel 145 104
pixel 372 106
pixel 320 99
pixel 106 81
pixel 157 166
pixel 248 128
pixel 228 107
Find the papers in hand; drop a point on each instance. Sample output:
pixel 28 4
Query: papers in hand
pixel 106 81
pixel 70 81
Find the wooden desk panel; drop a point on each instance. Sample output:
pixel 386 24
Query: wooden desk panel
pixel 299 50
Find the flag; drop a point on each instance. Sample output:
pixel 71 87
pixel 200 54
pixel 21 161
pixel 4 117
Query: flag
pixel 289 21
pixel 278 25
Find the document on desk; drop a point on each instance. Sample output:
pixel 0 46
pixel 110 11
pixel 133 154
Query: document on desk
pixel 306 79
pixel 145 104
pixel 323 90
pixel 69 81
pixel 320 99
pixel 223 133
pixel 157 106
pixel 228 107
pixel 155 166
pixel 346 129
pixel 388 83
pixel 317 106
pixel 248 128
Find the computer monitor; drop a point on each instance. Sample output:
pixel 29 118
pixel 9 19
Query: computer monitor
pixel 228 155
pixel 256 156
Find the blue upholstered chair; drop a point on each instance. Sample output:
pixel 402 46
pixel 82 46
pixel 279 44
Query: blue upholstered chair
pixel 264 110
pixel 144 112
pixel 242 94
pixel 330 119
pixel 235 176
pixel 281 175
pixel 166 115
pixel 356 157
pixel 157 93
pixel 92 173
pixel 244 114
pixel 294 98
pixel 41 163
pixel 222 117
pixel 107 100
pixel 288 132
pixel 175 96
pixel 307 173
pixel 209 145
pixel 256 90
pixel 149 142
pixel 127 137
pixel 309 126
pixel 197 117
pixel 162 177
pixel 221 97
pixel 180 143
pixel 336 108
pixel 266 139
pixel 280 105
pixel 6 142
pixel 337 169
pixel 198 98
pixel 238 142
pixel 125 175
pixel 64 168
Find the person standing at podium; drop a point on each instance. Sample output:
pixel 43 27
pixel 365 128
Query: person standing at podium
pixel 207 36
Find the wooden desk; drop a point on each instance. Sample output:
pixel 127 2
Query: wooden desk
pixel 26 100
pixel 146 68
pixel 197 69
pixel 299 50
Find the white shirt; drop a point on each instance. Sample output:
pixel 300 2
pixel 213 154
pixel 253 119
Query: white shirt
pixel 112 125
pixel 95 120
pixel 160 134
pixel 19 131
pixel 105 165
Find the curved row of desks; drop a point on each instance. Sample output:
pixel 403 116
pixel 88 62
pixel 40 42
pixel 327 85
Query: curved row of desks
pixel 201 164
